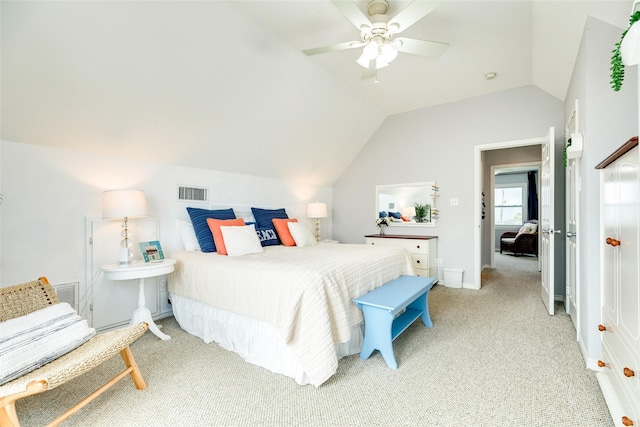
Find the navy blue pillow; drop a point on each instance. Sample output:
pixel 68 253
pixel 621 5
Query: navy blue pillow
pixel 264 218
pixel 268 236
pixel 383 214
pixel 203 232
pixel 396 215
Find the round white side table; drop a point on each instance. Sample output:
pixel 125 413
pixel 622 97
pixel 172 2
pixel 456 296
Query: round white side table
pixel 141 270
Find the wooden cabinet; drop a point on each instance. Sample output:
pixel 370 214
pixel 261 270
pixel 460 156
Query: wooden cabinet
pixel 620 280
pixel 423 250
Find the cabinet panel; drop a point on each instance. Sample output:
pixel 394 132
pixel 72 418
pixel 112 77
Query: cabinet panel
pixel 111 303
pixel 620 281
pixel 627 222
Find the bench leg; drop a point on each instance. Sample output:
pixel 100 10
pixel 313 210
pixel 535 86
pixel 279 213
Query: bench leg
pixel 422 304
pixel 377 335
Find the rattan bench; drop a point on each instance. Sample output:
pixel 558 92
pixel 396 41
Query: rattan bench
pixel 22 299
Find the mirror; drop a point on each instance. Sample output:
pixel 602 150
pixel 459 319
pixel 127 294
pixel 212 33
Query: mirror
pixel 408 204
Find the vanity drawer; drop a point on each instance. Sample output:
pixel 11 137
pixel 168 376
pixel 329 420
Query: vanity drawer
pixel 420 261
pixel 413 246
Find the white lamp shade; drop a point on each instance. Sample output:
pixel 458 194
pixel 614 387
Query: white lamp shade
pixel 381 62
pixel 317 210
pixel 390 52
pixel 409 211
pixel 123 204
pixel 371 50
pixel 364 61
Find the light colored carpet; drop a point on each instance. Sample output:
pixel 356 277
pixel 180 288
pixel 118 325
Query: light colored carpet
pixel 493 358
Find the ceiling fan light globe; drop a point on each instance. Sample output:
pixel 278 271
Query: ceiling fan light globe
pixel 381 62
pixel 364 61
pixel 389 52
pixel 371 50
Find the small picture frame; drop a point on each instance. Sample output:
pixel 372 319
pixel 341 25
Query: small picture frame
pixel 151 251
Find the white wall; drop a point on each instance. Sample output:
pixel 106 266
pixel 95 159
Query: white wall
pixel 608 119
pixel 49 192
pixel 436 143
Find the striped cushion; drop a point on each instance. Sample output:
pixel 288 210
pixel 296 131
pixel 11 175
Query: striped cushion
pixel 35 339
pixel 203 232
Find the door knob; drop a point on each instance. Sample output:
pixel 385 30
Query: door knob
pixel 571 234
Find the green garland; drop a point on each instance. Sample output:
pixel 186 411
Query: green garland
pixel 564 153
pixel 617 67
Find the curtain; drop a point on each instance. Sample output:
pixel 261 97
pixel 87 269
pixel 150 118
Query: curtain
pixel 533 196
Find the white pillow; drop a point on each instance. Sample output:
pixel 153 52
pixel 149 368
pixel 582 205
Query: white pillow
pixel 528 228
pixel 301 234
pixel 241 240
pixel 188 235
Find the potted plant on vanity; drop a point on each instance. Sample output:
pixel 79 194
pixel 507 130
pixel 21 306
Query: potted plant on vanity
pixel 423 212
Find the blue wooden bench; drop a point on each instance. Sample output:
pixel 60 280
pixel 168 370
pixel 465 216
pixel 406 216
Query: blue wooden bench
pixel 389 310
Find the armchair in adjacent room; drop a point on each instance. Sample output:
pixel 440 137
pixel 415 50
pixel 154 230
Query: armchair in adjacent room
pixel 524 241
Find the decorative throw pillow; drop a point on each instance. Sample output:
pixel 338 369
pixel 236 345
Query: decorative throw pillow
pixel 214 226
pixel 203 232
pixel 267 236
pixel 188 235
pixel 301 234
pixel 528 228
pixel 241 240
pixel 264 217
pixel 283 231
pixel 396 215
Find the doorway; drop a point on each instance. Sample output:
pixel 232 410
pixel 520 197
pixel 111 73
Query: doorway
pixel 510 195
pixel 484 243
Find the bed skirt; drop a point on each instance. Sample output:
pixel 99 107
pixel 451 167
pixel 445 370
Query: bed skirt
pixel 256 341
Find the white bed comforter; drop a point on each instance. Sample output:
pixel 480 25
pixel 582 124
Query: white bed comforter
pixel 306 292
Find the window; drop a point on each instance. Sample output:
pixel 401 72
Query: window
pixel 509 204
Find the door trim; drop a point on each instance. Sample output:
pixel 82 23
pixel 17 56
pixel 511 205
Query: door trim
pixel 478 161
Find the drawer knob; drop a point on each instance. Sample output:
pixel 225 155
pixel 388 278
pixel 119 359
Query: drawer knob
pixel 417 246
pixel 613 242
pixel 417 261
pixel 601 364
pixel 602 328
pixel 626 421
pixel 628 373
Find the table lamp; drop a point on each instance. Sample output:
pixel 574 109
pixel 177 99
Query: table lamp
pixel 317 210
pixel 124 204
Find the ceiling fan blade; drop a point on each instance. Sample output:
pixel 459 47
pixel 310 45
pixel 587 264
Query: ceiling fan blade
pixel 412 14
pixel 333 48
pixel 349 9
pixel 427 48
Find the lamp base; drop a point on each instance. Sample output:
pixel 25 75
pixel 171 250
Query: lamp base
pixel 124 256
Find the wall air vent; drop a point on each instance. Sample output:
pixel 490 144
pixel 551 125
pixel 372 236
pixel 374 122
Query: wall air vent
pixel 68 292
pixel 193 194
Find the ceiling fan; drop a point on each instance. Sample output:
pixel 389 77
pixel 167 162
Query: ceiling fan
pixel 377 33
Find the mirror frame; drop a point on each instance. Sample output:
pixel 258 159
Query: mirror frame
pixel 431 195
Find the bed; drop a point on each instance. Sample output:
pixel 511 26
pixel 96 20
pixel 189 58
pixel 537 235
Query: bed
pixel 288 309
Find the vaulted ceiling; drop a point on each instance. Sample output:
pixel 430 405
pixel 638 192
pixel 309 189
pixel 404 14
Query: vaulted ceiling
pixel 224 85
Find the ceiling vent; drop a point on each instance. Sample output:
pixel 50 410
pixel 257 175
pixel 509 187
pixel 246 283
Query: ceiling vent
pixel 193 194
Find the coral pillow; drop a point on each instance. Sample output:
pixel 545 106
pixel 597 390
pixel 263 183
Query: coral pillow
pixel 282 228
pixel 214 225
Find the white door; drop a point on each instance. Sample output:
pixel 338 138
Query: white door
pixel 572 280
pixel 547 231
